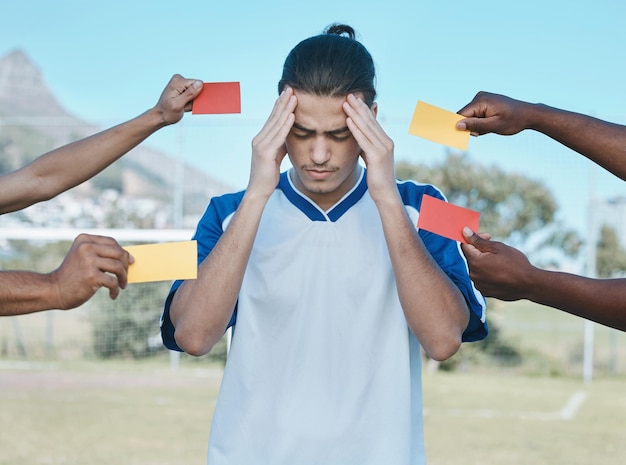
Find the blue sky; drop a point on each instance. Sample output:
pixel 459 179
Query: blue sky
pixel 109 61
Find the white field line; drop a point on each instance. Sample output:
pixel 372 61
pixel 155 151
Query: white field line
pixel 570 409
pixel 568 412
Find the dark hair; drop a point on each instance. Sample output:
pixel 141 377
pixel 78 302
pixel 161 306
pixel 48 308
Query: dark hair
pixel 332 64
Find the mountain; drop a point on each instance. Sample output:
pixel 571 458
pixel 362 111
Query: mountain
pixel 33 121
pixel 23 91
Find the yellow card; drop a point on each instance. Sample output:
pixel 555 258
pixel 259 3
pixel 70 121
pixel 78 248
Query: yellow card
pixel 163 262
pixel 438 125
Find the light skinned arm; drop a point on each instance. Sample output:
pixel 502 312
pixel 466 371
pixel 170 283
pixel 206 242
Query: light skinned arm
pixel 91 263
pixel 70 165
pixel 505 273
pixel 434 307
pixel 600 141
pixel 199 321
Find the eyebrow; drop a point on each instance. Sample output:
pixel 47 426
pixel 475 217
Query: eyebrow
pixel 332 132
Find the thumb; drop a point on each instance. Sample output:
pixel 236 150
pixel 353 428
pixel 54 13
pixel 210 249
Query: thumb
pixel 472 238
pixel 476 126
pixel 193 89
pixel 483 243
pixel 469 235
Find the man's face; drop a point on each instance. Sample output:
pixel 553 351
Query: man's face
pixel 322 150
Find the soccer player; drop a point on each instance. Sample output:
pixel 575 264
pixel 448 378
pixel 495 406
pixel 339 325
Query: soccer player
pixel 92 261
pixel 332 290
pixel 505 273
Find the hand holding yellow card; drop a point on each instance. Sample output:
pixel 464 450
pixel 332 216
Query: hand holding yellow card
pixel 438 125
pixel 163 262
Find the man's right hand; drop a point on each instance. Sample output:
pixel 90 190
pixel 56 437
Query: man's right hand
pixel 268 146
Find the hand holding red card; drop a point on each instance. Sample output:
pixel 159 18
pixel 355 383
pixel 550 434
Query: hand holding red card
pixel 445 219
pixel 218 98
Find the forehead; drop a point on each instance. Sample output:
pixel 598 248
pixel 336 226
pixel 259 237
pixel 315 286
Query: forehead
pixel 319 113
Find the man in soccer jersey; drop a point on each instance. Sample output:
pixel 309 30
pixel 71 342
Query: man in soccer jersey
pixel 331 289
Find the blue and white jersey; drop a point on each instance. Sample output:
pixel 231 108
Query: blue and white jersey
pixel 323 368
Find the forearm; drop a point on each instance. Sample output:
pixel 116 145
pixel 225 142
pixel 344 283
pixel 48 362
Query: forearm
pixel 602 142
pixel 98 151
pixel 72 164
pixel 434 308
pixel 24 292
pixel 599 300
pixel 202 308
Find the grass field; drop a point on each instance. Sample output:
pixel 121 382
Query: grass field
pixel 62 407
pixel 122 413
pixel 149 414
pixel 505 419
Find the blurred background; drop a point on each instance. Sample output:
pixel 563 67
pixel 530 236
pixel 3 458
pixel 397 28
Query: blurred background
pixel 94 385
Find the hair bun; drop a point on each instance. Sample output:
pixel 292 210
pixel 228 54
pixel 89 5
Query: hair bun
pixel 340 29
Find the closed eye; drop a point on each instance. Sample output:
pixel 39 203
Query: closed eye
pixel 340 134
pixel 337 135
pixel 300 135
pixel 339 138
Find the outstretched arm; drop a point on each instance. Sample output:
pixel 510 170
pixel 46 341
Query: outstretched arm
pixel 505 273
pixel 91 263
pixel 600 141
pixel 67 166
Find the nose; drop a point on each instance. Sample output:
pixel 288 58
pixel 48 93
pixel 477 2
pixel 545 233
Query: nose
pixel 320 150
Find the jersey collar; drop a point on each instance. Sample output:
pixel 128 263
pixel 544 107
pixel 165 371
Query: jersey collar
pixel 311 209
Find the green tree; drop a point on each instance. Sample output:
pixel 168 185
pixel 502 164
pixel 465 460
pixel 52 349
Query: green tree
pixel 610 256
pixel 513 208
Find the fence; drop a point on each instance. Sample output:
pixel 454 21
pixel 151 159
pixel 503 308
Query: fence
pixel 101 328
pixel 525 337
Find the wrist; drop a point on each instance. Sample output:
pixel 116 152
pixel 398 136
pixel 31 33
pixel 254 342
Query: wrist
pixel 255 197
pixel 51 290
pixel 387 199
pixel 534 283
pixel 154 119
pixel 36 292
pixel 535 116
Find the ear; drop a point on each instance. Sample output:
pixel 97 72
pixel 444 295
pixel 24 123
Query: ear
pixel 374 108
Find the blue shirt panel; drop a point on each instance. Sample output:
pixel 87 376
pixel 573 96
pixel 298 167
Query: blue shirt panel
pixel 447 255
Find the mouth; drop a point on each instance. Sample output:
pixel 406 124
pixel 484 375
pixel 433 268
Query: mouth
pixel 319 173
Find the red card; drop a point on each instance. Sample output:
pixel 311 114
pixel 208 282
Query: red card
pixel 218 98
pixel 445 219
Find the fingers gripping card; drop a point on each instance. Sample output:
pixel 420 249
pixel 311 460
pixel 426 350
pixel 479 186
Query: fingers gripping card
pixel 218 98
pixel 446 219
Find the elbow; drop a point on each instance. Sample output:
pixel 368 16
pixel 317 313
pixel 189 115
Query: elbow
pixel 447 341
pixel 44 190
pixel 443 349
pixel 194 343
pixel 194 350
